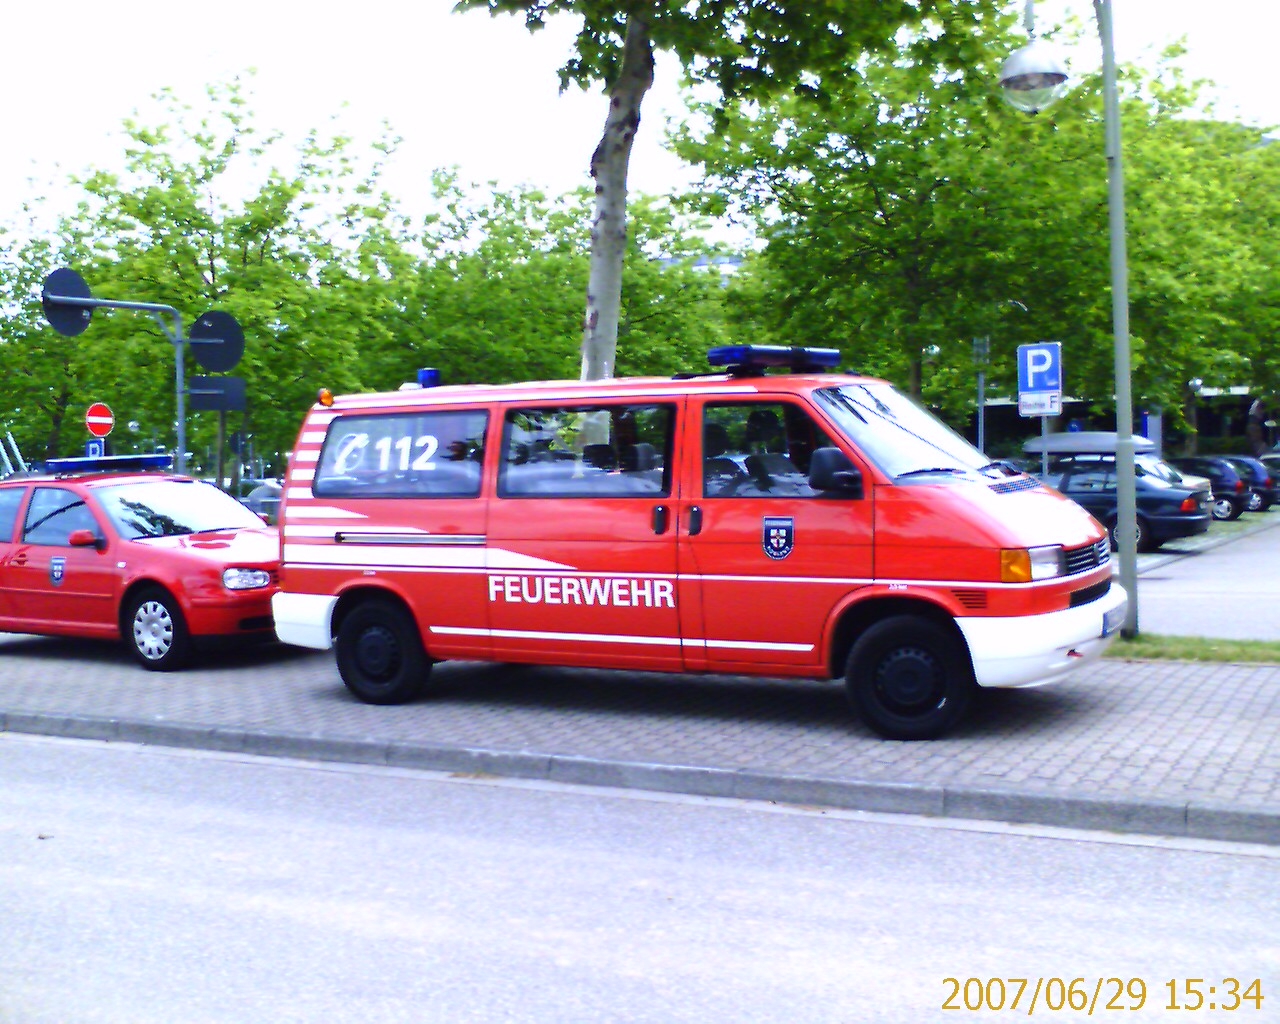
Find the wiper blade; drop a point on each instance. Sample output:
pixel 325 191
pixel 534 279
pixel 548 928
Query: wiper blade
pixel 932 469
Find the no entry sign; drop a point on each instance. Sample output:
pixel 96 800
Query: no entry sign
pixel 99 419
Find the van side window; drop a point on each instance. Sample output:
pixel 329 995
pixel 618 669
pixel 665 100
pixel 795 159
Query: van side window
pixel 587 452
pixel 53 514
pixel 427 454
pixel 758 450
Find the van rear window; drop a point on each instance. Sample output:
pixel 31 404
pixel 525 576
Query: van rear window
pixel 419 454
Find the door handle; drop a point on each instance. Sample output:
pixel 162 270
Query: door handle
pixel 695 520
pixel 19 560
pixel 660 518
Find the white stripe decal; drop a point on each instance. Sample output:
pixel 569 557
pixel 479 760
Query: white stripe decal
pixel 427 557
pixel 300 474
pixel 306 457
pixel 319 512
pixel 311 437
pixel 527 634
pixel 328 531
pixel 320 419
pixel 612 638
pixel 298 492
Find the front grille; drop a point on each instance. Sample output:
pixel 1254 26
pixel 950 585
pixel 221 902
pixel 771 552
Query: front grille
pixel 1024 483
pixel 1090 556
pixel 1091 593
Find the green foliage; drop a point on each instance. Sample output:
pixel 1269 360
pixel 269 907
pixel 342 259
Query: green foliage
pixel 332 284
pixel 904 216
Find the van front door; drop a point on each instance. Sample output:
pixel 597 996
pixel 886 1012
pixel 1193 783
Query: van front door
pixel 772 556
pixel 582 536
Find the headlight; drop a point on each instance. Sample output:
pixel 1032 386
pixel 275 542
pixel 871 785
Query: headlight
pixel 245 579
pixel 1022 565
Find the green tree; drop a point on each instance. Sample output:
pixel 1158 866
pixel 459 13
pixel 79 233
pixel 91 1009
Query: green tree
pixel 915 212
pixel 201 217
pixel 747 49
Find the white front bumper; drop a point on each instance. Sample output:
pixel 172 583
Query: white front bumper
pixel 1031 650
pixel 304 620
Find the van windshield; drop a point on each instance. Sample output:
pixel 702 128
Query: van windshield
pixel 899 436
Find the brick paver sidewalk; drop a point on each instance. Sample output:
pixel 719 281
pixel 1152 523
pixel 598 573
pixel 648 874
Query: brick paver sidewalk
pixel 1159 747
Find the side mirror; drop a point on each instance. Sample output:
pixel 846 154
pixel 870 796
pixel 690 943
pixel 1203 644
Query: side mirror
pixel 831 470
pixel 84 539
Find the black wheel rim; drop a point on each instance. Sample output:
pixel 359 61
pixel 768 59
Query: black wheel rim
pixel 909 682
pixel 377 654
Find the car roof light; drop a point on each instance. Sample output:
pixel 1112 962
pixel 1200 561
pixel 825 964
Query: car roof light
pixel 750 360
pixel 109 464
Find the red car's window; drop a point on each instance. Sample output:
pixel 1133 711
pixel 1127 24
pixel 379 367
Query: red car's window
pixel 169 508
pixel 10 499
pixel 53 513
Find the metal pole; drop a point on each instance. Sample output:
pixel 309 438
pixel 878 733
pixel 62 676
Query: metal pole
pixel 157 310
pixel 1126 511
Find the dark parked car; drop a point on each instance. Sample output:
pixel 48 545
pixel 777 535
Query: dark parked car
pixel 1230 491
pixel 1165 511
pixel 1255 474
pixel 1082 465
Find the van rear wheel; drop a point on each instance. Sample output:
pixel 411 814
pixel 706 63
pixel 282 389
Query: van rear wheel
pixel 380 654
pixel 909 678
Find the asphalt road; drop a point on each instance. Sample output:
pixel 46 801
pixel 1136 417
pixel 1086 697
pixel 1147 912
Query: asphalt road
pixel 1228 590
pixel 147 885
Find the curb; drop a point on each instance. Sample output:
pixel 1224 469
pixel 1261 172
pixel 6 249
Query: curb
pixel 1179 819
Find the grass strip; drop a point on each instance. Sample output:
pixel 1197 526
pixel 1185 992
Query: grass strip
pixel 1155 647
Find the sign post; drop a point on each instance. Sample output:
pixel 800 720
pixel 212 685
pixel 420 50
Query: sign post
pixel 99 419
pixel 216 337
pixel 1040 385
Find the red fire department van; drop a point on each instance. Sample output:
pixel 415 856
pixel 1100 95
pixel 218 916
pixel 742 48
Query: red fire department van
pixel 805 523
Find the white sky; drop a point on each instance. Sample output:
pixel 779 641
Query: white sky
pixel 462 90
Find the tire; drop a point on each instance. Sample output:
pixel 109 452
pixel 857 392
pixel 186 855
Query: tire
pixel 155 630
pixel 909 678
pixel 1257 503
pixel 1142 536
pixel 1224 509
pixel 380 654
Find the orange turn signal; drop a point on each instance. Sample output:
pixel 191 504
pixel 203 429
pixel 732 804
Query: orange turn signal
pixel 325 397
pixel 1015 565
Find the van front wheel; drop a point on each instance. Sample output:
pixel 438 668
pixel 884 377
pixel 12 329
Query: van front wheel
pixel 909 678
pixel 380 655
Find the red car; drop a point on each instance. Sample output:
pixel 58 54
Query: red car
pixel 111 548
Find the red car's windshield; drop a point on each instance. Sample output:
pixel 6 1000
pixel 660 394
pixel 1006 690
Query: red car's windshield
pixel 168 508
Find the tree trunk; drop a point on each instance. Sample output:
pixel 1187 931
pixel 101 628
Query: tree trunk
pixel 609 166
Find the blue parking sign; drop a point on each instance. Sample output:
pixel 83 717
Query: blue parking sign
pixel 95 448
pixel 1040 367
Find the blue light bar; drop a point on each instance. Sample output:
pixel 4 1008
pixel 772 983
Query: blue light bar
pixel 109 464
pixel 428 377
pixel 757 357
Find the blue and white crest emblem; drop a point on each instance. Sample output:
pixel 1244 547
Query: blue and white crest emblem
pixel 57 569
pixel 779 536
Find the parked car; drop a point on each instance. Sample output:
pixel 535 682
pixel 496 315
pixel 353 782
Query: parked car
pixel 1262 491
pixel 1272 461
pixel 1230 491
pixel 112 548
pixel 1082 465
pixel 1165 511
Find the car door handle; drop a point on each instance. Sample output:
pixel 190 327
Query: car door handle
pixel 695 520
pixel 19 560
pixel 660 519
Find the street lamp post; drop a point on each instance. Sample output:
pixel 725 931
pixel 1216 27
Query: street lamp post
pixel 1032 78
